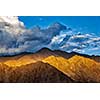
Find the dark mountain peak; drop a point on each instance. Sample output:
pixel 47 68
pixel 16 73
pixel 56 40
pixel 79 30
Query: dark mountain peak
pixel 48 52
pixel 44 49
pixel 45 52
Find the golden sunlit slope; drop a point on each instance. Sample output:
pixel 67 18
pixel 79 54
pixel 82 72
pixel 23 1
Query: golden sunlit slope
pixel 26 58
pixel 78 68
pixel 32 73
pixel 60 63
pixel 38 56
pixel 20 62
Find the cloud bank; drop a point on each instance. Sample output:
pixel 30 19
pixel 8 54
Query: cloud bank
pixel 15 38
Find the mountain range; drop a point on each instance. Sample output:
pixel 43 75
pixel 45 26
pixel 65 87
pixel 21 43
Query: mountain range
pixel 16 38
pixel 47 66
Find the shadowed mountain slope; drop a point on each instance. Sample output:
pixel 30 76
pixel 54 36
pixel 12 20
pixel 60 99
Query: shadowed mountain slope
pixel 38 72
pixel 78 68
pixel 44 53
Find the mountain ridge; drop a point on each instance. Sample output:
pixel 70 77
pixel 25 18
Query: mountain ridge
pixel 49 52
pixel 38 72
pixel 77 67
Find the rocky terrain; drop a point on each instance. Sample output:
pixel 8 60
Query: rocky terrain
pixel 47 66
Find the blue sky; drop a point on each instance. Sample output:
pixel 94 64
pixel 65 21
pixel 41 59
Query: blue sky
pixel 90 24
pixel 54 37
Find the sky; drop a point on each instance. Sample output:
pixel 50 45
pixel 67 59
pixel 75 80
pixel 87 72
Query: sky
pixel 88 24
pixel 79 34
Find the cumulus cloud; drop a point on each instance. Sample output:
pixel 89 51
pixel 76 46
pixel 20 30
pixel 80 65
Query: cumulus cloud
pixel 27 40
pixel 37 38
pixel 15 38
pixel 11 24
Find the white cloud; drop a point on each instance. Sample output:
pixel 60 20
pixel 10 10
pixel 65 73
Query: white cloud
pixel 81 43
pixel 11 24
pixel 58 38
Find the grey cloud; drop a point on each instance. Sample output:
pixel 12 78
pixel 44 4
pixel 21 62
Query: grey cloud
pixel 37 38
pixel 29 41
pixel 53 37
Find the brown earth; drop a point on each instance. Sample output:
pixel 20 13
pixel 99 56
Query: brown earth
pixel 49 66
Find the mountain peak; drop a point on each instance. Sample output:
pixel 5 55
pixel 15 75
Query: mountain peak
pixel 45 49
pixel 77 67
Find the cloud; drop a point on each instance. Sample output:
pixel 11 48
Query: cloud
pixel 11 24
pixel 10 28
pixel 29 40
pixel 81 43
pixel 37 38
pixel 15 38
